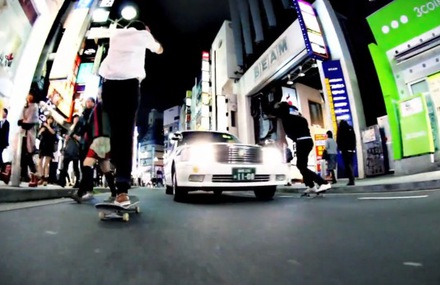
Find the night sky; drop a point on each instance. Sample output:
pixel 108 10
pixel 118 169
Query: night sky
pixel 187 27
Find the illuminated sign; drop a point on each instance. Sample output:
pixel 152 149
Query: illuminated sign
pixel 271 58
pixel 336 88
pixel 311 30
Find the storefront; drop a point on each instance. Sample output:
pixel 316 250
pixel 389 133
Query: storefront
pixel 407 60
pixel 25 27
pixel 324 88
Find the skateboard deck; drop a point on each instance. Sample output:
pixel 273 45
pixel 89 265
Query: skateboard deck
pixel 108 210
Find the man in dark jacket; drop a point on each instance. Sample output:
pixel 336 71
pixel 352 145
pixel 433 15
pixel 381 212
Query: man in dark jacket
pixel 346 140
pixel 297 129
pixel 4 143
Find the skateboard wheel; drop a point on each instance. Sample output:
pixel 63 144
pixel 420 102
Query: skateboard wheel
pixel 101 215
pixel 125 217
pixel 138 210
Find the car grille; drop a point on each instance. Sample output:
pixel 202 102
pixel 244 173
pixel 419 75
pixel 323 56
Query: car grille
pixel 239 154
pixel 228 178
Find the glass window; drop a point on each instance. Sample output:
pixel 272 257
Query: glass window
pixel 233 114
pixel 316 117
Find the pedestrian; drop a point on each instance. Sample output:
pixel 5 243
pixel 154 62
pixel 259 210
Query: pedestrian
pixel 159 178
pixel 48 137
pixel 4 143
pixel 98 132
pixel 297 129
pixel 346 140
pixel 71 153
pixel 123 69
pixel 331 149
pixel 28 122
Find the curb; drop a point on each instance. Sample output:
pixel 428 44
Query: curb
pixel 374 188
pixel 18 194
pixel 24 195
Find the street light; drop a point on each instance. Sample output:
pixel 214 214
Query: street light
pixel 129 13
pixel 101 15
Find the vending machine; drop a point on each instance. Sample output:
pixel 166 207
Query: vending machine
pixel 372 147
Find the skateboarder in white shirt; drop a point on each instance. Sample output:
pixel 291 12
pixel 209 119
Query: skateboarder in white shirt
pixel 123 70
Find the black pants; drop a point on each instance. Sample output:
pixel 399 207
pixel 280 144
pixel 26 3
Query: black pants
pixel 347 157
pixel 64 171
pixel 26 161
pixel 303 148
pixel 120 99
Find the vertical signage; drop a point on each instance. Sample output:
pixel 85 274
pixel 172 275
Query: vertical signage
pixel 311 30
pixel 336 88
pixel 415 126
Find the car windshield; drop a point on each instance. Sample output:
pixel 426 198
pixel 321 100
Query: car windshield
pixel 211 137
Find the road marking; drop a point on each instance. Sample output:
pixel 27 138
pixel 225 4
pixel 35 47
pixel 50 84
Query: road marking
pixel 51 232
pixel 414 264
pixel 285 196
pixel 393 198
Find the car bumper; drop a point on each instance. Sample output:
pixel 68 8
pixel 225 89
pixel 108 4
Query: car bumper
pixel 221 175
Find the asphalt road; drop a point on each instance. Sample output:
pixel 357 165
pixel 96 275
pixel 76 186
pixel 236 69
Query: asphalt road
pixel 340 239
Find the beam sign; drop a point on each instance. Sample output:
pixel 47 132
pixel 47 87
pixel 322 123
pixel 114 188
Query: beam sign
pixel 311 30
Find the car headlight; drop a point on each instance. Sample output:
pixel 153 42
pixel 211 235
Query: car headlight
pixel 198 153
pixel 272 155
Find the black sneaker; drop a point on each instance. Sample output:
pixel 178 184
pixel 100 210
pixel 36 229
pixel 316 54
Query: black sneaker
pixel 76 197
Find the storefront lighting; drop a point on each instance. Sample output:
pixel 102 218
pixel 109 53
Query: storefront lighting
pixel 100 15
pixel 129 13
pixel 301 73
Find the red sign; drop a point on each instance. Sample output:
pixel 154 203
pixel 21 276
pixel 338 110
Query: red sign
pixel 205 55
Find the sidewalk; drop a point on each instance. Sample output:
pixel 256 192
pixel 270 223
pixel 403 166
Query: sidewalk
pixel 24 193
pixel 385 183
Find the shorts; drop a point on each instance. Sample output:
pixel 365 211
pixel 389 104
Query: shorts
pixel 100 148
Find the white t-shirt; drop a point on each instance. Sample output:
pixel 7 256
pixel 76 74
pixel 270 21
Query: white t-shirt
pixel 126 54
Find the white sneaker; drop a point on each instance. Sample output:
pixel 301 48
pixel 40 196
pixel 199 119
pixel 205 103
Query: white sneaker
pixel 87 196
pixel 310 190
pixel 324 187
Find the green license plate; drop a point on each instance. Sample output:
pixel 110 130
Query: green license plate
pixel 243 174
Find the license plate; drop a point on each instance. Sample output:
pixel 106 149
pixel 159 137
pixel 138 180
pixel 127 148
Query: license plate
pixel 243 174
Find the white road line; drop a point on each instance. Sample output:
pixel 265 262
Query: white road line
pixel 393 198
pixel 414 264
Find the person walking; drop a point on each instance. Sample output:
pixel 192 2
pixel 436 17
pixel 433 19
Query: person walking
pixel 98 133
pixel 332 152
pixel 28 123
pixel 71 153
pixel 123 69
pixel 4 143
pixel 297 129
pixel 346 140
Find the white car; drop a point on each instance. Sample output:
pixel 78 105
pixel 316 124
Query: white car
pixel 217 161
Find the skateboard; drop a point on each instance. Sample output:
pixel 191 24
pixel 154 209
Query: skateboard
pixel 110 210
pixel 317 194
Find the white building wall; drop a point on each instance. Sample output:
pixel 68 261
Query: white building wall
pixel 24 73
pixel 224 66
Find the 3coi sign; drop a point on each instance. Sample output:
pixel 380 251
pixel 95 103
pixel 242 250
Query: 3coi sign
pixel 426 8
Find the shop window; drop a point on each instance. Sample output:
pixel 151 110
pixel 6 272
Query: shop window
pixel 316 117
pixel 233 113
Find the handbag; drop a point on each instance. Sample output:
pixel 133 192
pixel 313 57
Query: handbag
pixel 325 155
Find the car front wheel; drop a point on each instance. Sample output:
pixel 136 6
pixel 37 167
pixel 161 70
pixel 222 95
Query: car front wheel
pixel 179 193
pixel 265 193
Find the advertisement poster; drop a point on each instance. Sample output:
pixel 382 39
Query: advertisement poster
pixel 415 126
pixel 319 149
pixel 311 30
